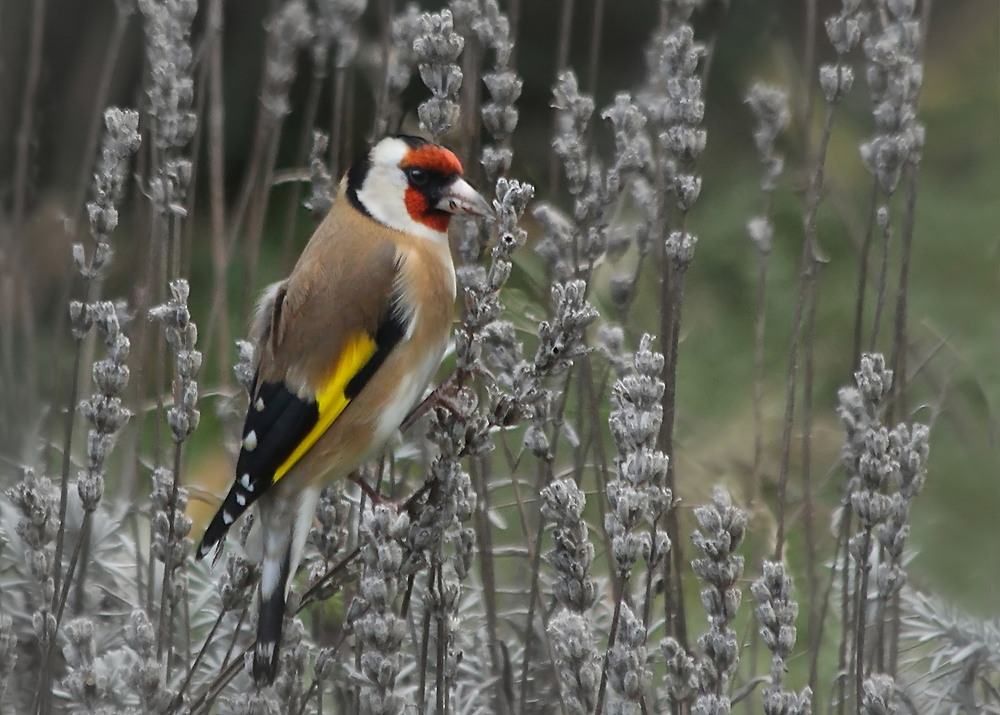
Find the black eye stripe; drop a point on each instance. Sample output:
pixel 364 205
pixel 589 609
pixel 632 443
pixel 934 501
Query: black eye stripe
pixel 429 182
pixel 417 176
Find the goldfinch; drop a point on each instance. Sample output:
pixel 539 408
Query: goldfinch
pixel 345 347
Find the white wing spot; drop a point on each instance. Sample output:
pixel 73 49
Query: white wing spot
pixel 259 404
pixel 250 441
pixel 245 482
pixel 240 499
pixel 227 518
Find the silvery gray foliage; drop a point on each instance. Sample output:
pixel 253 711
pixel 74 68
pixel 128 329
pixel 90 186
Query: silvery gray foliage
pixel 182 334
pixel 120 142
pixel 377 629
pixel 577 661
pixel 572 554
pixel 255 702
pixel 895 75
pixel 145 674
pixel 637 492
pixel 104 410
pixel 92 684
pixel 170 93
pixel 952 659
pixel 336 22
pixel 436 51
pixel 627 673
pixel 776 612
pixel 289 30
pixel 8 651
pixel 721 528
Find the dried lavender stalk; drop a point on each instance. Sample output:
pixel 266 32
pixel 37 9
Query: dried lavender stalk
pixel 377 628
pixel 776 612
pixel 436 51
pixel 721 528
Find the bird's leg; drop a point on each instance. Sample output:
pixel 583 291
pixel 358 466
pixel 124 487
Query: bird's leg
pixel 367 488
pixel 448 394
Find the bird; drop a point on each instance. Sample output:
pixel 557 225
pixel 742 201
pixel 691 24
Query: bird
pixel 344 348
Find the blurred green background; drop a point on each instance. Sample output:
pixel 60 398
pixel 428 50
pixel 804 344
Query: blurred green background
pixel 955 280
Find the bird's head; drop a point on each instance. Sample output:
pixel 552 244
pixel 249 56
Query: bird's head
pixel 412 185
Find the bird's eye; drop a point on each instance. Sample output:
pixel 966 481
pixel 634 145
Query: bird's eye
pixel 417 177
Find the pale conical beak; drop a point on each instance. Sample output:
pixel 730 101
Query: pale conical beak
pixel 460 198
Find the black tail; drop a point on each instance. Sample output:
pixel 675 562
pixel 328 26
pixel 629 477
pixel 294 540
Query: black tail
pixel 270 619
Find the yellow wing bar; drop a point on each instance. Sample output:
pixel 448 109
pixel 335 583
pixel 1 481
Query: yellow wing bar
pixel 330 397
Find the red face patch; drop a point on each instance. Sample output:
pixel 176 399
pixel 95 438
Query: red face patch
pixel 416 206
pixel 432 158
pixel 436 160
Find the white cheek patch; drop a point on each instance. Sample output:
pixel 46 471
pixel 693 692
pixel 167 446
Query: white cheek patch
pixel 383 193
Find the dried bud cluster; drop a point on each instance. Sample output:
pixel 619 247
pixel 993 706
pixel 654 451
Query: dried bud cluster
pixel 37 505
pixel 499 114
pixel 844 30
pixel 171 526
pixel 637 492
pixel 721 528
pixel 336 22
pixel 289 30
pixel 104 409
pixel 436 51
pixel 171 95
pixel 776 613
pixel 120 142
pixel 372 618
pixel 627 672
pixel 182 334
pixel 571 630
pixel 895 75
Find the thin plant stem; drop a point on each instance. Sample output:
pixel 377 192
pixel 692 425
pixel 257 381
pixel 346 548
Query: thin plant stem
pixel 861 611
pixel 562 61
pixel 808 69
pixel 612 635
pixel 218 317
pixel 808 274
pixel 301 154
pixel 595 46
pixel 882 289
pixel 21 167
pixel 124 12
pixel 859 306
